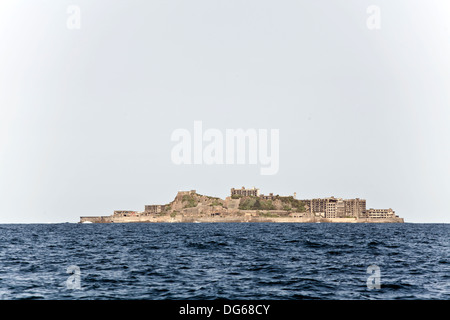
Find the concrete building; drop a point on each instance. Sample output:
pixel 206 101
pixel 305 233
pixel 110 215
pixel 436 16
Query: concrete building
pixel 380 213
pixel 184 193
pixel 154 208
pixel 326 207
pixel 267 197
pixel 340 208
pixel 181 194
pixel 355 207
pixel 349 208
pixel 335 208
pixel 332 207
pixel 253 192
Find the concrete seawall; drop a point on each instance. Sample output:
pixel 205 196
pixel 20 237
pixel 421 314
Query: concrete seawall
pixel 231 219
pixel 99 219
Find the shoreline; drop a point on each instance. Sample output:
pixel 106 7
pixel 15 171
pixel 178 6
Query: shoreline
pixel 233 219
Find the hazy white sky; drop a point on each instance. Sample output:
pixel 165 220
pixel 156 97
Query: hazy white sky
pixel 86 115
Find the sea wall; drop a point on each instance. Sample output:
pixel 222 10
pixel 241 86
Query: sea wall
pixel 99 219
pixel 245 219
pixel 231 218
pixel 381 220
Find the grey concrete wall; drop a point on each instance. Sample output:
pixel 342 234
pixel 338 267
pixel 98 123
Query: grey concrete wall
pixel 99 219
pixel 232 218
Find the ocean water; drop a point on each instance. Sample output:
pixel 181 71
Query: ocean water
pixel 224 260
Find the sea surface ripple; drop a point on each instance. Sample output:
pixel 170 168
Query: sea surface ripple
pixel 224 261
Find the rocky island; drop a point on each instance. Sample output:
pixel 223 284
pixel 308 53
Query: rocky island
pixel 248 205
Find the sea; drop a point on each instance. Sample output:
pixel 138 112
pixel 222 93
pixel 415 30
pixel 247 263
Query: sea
pixel 203 261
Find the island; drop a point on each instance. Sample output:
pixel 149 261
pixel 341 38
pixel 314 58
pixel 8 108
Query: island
pixel 249 205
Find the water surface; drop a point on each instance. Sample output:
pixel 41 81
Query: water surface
pixel 224 260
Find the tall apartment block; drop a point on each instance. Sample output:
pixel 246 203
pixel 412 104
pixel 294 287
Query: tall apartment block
pixel 355 207
pixel 337 207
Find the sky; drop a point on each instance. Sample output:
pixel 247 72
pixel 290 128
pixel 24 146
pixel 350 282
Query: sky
pixel 92 91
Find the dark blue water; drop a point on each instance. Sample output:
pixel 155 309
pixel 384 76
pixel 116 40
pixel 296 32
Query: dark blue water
pixel 232 261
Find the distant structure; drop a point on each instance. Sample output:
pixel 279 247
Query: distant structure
pixel 253 192
pixel 355 207
pixel 245 192
pixel 346 208
pixel 184 193
pixel 181 194
pixel 381 213
pixel 190 206
pixel 337 207
pixel 269 197
pixel 154 208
